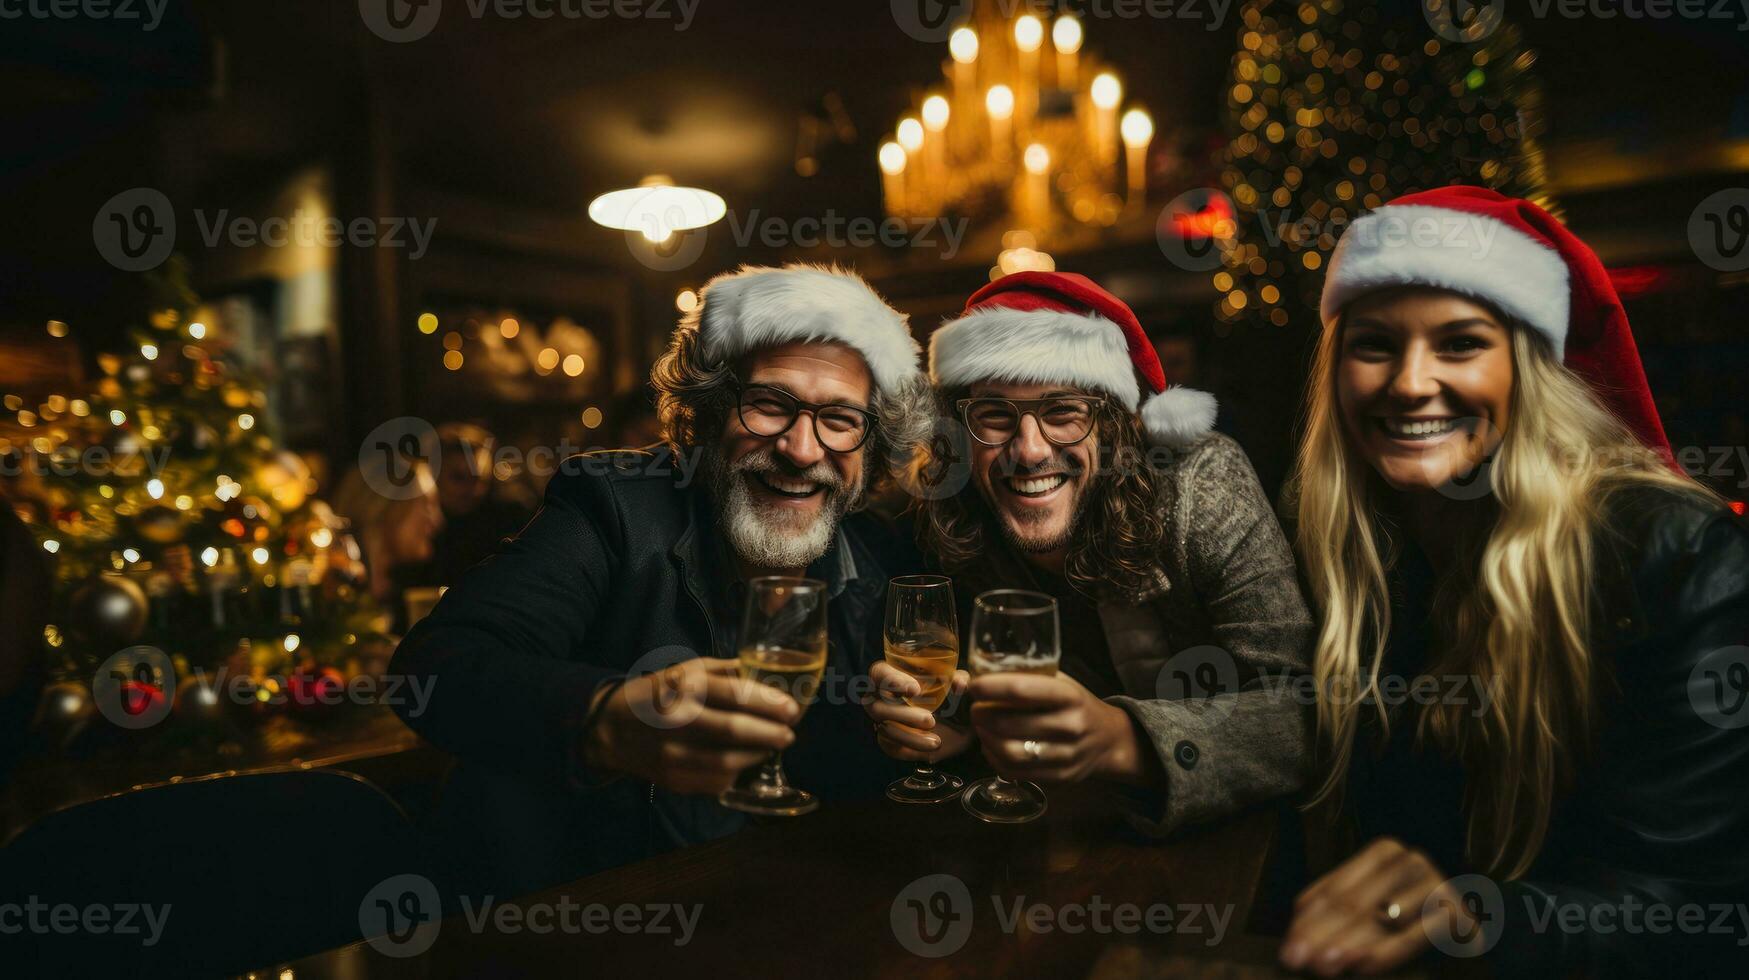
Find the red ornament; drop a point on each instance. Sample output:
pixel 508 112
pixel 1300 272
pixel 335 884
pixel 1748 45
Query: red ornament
pixel 138 698
pixel 312 688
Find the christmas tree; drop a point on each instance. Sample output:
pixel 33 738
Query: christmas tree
pixel 1335 108
pixel 176 521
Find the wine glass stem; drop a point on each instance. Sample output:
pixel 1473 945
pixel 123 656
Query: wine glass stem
pixel 772 781
pixel 924 777
pixel 1002 790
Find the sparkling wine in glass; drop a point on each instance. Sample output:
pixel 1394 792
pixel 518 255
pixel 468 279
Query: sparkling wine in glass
pixel 1016 632
pixel 922 639
pixel 783 645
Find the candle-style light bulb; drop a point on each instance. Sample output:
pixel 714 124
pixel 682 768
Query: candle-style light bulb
pixel 1066 34
pixel 999 101
pixel 935 113
pixel 910 134
pixel 1029 33
pixel 1107 90
pixel 892 158
pixel 1137 128
pixel 963 45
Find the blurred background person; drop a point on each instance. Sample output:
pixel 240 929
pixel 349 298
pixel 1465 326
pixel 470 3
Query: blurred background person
pixel 397 536
pixel 477 512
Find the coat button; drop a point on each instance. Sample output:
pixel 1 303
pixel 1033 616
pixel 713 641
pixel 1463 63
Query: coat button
pixel 1624 623
pixel 1186 754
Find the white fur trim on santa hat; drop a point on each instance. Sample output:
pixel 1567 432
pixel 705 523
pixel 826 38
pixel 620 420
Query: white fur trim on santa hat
pixel 760 306
pixel 1479 256
pixel 1034 347
pixel 1178 416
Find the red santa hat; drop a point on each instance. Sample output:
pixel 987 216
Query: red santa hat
pixel 1062 328
pixel 1516 257
pixel 761 306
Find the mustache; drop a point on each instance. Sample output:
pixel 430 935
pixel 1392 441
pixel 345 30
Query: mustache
pixel 766 461
pixel 1003 467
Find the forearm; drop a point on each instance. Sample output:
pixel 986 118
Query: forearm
pixel 471 695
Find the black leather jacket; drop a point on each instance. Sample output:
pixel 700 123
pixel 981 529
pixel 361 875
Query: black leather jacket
pixel 1646 863
pixel 622 571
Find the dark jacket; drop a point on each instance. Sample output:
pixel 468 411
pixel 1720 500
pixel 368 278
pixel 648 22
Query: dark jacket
pixel 622 570
pixel 1659 814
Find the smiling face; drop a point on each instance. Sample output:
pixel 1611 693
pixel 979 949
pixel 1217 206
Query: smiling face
pixel 1035 488
pixel 1424 384
pixel 782 495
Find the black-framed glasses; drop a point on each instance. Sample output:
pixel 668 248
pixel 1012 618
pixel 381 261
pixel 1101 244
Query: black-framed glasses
pixel 1064 419
pixel 768 411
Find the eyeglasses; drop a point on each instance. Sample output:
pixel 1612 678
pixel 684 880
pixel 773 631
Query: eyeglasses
pixel 768 411
pixel 1064 419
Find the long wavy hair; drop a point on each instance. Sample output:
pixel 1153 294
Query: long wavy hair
pixel 1515 611
pixel 1116 543
pixel 695 396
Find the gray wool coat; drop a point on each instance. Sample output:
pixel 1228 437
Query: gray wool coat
pixel 1208 653
pixel 1225 615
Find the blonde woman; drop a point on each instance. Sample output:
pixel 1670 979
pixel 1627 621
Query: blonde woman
pixel 1531 659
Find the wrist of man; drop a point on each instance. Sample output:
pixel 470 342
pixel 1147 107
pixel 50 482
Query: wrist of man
pixel 1127 757
pixel 595 748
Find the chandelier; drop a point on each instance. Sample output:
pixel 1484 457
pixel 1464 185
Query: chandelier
pixel 1026 128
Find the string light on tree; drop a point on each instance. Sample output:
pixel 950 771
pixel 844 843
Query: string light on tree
pixel 1335 108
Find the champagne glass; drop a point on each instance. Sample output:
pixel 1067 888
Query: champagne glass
pixel 922 639
pixel 1012 631
pixel 783 645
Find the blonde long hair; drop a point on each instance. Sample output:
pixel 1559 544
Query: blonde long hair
pixel 1515 611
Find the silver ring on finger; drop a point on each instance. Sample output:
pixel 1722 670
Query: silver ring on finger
pixel 1033 750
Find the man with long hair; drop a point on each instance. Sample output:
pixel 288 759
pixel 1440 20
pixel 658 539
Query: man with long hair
pixel 1181 617
pixel 584 674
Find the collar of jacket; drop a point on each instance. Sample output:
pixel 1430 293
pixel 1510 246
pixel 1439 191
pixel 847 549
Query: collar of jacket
pixel 852 576
pixel 1158 586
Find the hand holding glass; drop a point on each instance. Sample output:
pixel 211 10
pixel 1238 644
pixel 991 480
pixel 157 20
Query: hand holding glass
pixel 922 639
pixel 783 645
pixel 1012 631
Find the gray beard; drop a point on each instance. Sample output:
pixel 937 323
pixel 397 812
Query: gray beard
pixel 768 538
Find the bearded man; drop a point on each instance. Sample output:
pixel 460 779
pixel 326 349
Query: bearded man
pixel 585 675
pixel 1184 633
